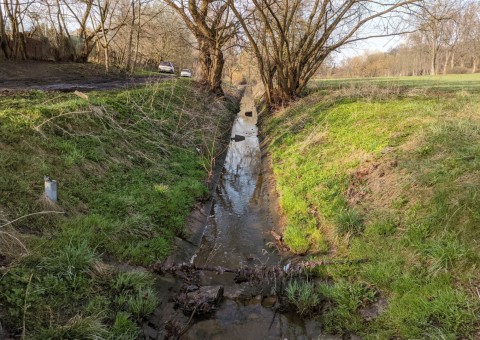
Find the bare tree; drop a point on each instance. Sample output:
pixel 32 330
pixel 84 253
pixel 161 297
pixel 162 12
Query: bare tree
pixel 16 11
pixel 81 12
pixel 211 22
pixel 291 38
pixel 3 36
pixel 470 34
pixel 435 19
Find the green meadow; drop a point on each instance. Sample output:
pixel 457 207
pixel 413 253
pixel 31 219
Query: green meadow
pixel 388 170
pixel 130 164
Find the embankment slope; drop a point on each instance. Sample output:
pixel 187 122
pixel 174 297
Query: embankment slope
pixel 130 165
pixel 387 170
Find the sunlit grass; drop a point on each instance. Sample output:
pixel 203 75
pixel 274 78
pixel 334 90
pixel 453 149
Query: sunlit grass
pixel 448 82
pixel 387 169
pixel 128 173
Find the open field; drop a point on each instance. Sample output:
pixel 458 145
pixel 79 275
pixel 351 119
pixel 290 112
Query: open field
pixel 447 83
pixel 389 170
pixel 130 165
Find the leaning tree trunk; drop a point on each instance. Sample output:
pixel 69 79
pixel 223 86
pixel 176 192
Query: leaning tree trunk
pixel 3 36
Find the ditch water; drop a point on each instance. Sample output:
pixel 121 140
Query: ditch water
pixel 238 234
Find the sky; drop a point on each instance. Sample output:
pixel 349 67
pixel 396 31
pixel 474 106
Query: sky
pixel 371 45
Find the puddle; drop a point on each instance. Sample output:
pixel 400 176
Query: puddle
pixel 238 235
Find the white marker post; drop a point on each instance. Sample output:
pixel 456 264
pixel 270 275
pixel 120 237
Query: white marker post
pixel 50 189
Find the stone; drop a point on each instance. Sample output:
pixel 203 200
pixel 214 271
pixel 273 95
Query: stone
pixel 149 332
pixel 269 301
pixel 213 294
pixel 373 310
pixel 202 301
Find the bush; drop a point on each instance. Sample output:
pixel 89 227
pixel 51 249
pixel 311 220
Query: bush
pixel 459 70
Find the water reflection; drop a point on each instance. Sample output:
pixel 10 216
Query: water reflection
pixel 236 235
pixel 237 230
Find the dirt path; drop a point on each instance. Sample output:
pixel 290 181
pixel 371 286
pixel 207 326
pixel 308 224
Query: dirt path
pixel 52 76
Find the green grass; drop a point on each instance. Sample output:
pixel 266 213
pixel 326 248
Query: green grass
pixel 302 295
pixel 128 173
pixel 439 83
pixel 387 169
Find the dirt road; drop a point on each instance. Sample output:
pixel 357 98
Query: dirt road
pixel 54 76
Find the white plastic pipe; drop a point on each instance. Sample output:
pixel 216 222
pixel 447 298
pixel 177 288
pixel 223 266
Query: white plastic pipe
pixel 50 189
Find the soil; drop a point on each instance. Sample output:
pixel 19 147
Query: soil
pixel 18 76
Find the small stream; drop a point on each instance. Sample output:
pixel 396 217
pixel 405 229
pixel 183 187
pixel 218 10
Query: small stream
pixel 238 233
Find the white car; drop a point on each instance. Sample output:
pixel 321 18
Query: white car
pixel 186 73
pixel 166 66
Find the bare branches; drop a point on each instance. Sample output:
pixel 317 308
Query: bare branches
pixel 291 39
pixel 211 23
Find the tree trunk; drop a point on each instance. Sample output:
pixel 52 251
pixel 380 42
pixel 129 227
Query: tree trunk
pixel 137 44
pixel 130 39
pixel 3 36
pixel 211 65
pixel 433 65
pixel 445 65
pixel 105 53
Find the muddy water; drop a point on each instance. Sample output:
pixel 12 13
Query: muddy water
pixel 238 234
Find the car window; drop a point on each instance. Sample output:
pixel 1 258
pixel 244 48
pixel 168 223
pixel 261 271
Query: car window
pixel 165 63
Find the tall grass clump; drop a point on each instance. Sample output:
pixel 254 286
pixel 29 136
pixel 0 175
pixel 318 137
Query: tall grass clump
pixel 303 295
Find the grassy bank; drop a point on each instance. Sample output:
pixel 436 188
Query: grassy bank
pixel 388 170
pixel 130 165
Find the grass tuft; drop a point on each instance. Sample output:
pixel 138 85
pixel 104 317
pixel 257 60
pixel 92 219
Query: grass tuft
pixel 77 327
pixel 124 328
pixel 303 296
pixel 348 222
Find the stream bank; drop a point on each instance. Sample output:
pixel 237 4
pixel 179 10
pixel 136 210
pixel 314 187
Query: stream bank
pixel 238 234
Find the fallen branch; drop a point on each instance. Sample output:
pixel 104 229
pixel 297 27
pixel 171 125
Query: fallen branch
pixel 58 116
pixel 32 214
pixel 263 273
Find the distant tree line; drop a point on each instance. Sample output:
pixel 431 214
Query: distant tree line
pixel 446 40
pixel 288 41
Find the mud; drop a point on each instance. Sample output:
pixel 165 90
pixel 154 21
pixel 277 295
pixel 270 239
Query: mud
pixel 21 76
